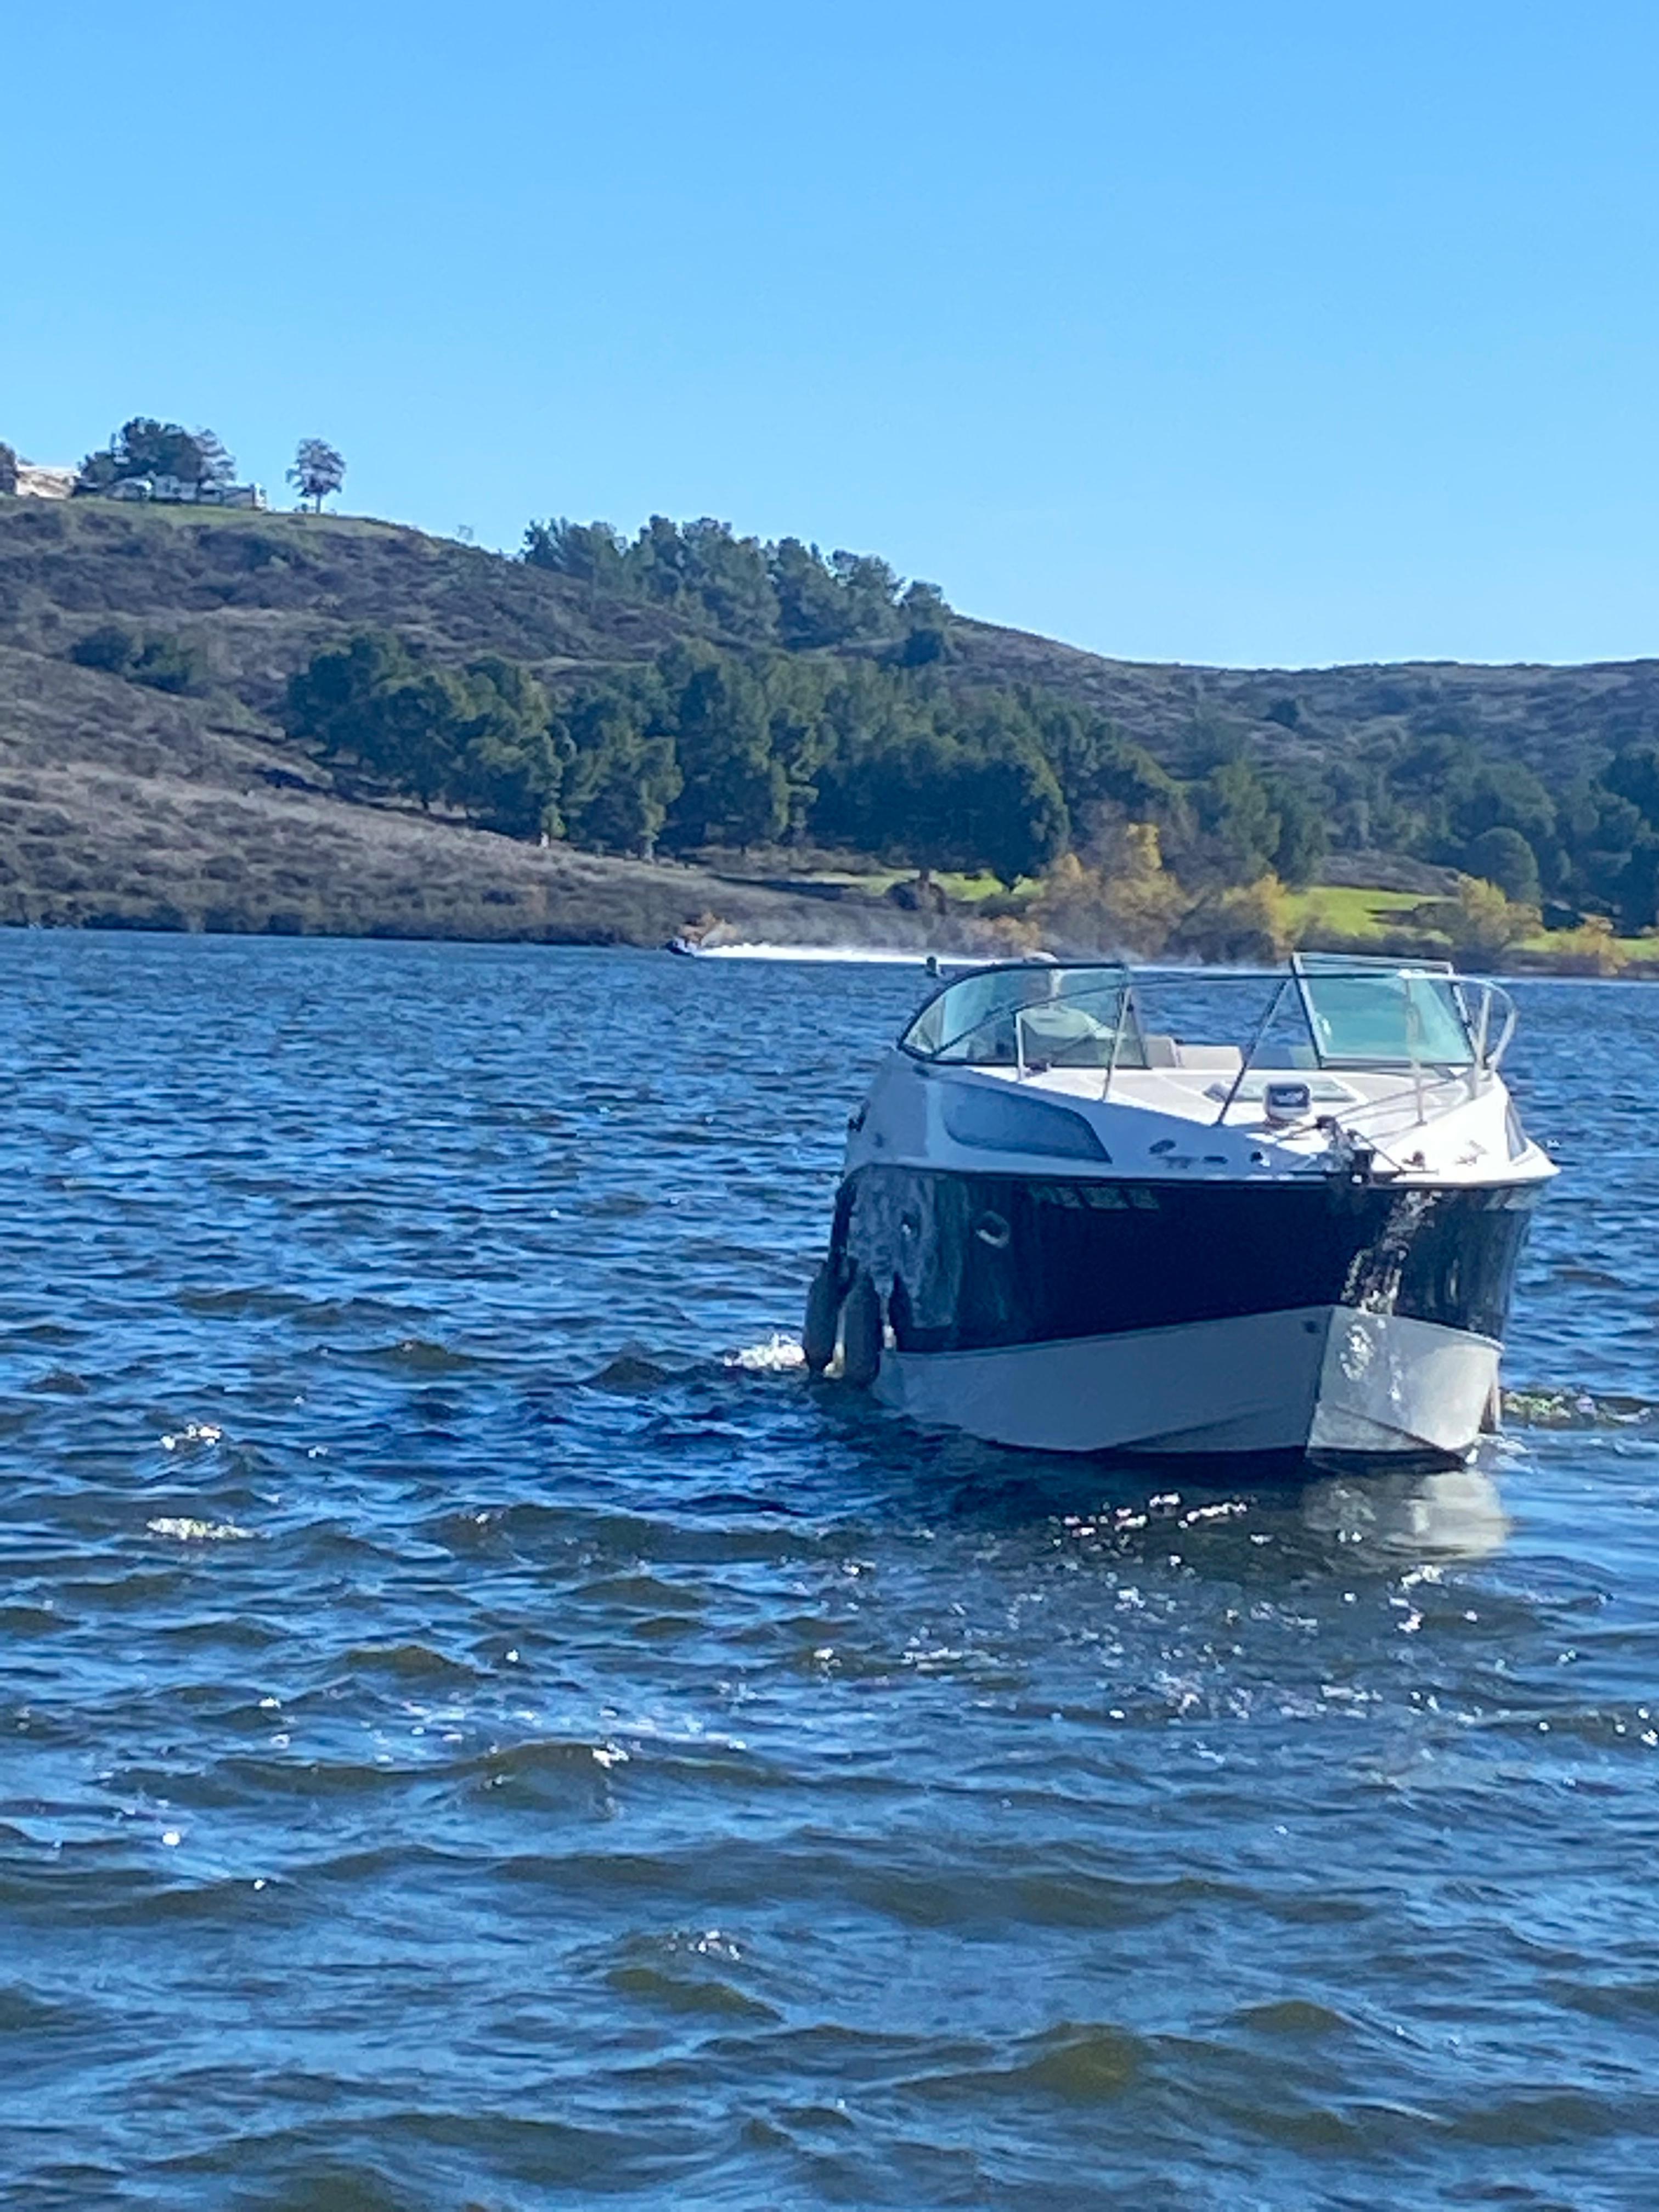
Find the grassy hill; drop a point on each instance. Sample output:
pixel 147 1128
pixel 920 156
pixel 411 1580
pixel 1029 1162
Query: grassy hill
pixel 124 804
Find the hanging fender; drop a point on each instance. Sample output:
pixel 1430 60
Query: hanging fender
pixel 861 1332
pixel 822 1321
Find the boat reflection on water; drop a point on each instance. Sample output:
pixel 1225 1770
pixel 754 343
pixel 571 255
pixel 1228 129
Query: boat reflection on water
pixel 1339 1523
pixel 1456 1514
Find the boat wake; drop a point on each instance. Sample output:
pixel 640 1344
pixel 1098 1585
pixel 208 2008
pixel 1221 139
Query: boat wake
pixel 868 955
pixel 778 1355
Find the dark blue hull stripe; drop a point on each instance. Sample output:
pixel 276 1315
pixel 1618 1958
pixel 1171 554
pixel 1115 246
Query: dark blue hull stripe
pixel 969 1262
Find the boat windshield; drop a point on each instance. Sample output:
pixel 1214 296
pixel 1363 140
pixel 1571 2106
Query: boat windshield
pixel 1325 1010
pixel 1382 1017
pixel 1034 1014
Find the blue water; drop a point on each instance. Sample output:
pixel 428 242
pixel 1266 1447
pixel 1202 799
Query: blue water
pixel 481 1730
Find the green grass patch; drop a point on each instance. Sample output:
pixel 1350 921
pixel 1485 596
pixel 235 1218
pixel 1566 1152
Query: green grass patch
pixel 1349 911
pixel 1629 948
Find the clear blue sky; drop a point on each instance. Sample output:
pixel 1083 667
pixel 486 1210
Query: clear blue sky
pixel 1264 333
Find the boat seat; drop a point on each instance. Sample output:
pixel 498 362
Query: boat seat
pixel 1221 1058
pixel 1161 1051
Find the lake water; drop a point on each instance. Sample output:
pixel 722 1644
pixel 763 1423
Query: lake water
pixel 480 1731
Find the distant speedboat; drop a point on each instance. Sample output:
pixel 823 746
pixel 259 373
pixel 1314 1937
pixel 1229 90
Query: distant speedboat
pixel 683 945
pixel 1061 1225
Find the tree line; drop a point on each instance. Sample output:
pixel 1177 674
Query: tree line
pixel 785 592
pixel 1583 843
pixel 708 747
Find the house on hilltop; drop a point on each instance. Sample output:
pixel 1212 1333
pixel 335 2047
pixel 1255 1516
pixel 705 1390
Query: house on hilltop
pixel 178 491
pixel 35 480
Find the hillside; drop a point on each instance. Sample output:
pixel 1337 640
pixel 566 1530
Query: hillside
pixel 124 806
pixel 1554 719
pixel 121 802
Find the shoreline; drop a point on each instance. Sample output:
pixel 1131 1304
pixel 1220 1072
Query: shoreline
pixel 893 945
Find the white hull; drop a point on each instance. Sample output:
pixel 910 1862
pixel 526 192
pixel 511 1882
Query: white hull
pixel 1320 1381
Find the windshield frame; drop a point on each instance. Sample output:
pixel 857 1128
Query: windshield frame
pixel 1471 1002
pixel 1114 977
pixel 1312 969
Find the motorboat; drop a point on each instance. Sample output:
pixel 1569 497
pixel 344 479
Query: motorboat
pixel 1071 1220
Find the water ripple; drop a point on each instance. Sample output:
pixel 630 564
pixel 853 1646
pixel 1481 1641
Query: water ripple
pixel 483 1730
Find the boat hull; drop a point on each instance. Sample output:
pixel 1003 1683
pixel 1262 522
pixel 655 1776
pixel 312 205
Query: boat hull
pixel 1323 1385
pixel 1321 1320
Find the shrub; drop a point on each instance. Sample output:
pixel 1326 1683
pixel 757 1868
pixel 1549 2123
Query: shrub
pixel 111 648
pixel 1480 921
pixel 167 663
pixel 1246 923
pixel 1591 949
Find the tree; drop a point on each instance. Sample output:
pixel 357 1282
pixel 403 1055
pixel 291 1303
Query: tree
pixel 1491 794
pixel 735 792
pixel 1634 776
pixel 147 448
pixel 1009 813
pixel 656 560
pixel 328 701
pixel 928 636
pixel 1501 855
pixel 812 611
pixel 506 767
pixel 621 777
pixel 8 467
pixel 590 553
pixel 318 471
pixel 758 593
pixel 869 591
pixel 799 733
pixel 1097 766
pixel 1638 886
pixel 1303 841
pixel 215 465
pixel 412 732
pixel 727 574
pixel 508 778
pixel 1239 822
